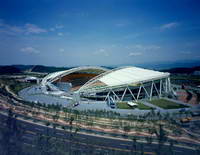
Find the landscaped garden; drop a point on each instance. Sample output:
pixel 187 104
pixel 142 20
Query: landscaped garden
pixel 17 86
pixel 124 105
pixel 166 104
pixel 142 106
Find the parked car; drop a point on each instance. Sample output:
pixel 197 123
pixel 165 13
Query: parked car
pixel 75 104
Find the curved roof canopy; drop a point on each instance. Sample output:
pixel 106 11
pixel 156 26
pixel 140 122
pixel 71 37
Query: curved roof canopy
pixel 105 78
pixel 56 75
pixel 124 76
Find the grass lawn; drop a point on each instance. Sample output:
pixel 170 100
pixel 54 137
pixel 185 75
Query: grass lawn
pixel 124 105
pixel 141 106
pixel 14 85
pixel 165 104
pixel 19 86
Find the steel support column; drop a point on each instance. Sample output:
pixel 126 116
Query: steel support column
pixel 166 86
pixel 131 93
pixel 156 88
pixel 123 94
pixel 139 92
pixel 160 88
pixel 151 90
pixel 115 95
pixel 107 95
pixel 169 84
pixel 145 90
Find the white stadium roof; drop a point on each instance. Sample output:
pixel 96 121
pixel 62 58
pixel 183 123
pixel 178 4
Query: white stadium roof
pixel 111 78
pixel 123 76
pixel 129 75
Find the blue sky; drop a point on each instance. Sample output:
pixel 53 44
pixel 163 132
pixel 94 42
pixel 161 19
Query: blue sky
pixel 98 32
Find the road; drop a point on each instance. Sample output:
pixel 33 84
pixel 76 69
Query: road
pixel 84 141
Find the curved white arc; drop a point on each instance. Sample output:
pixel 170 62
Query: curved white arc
pixel 56 75
pixel 86 86
pixel 99 76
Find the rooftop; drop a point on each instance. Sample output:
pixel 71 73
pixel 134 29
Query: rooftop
pixel 129 75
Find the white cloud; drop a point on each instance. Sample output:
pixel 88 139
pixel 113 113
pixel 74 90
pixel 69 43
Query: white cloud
pixel 123 23
pixel 113 45
pixel 59 26
pixel 60 34
pixel 34 29
pixel 169 26
pixel 52 29
pixel 152 47
pixel 101 52
pixel 15 29
pixel 25 29
pixel 83 14
pixel 61 49
pixel 143 47
pixel 135 53
pixel 186 52
pixel 29 50
pixel 10 29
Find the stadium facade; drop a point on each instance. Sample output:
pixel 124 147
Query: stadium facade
pixel 98 83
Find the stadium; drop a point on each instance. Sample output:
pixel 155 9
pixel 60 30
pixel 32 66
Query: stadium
pixel 97 83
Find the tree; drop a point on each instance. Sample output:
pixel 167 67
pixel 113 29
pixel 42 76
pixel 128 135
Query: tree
pixel 197 150
pixel 55 117
pixel 47 123
pixel 11 136
pixel 66 119
pixel 141 149
pixel 126 129
pixel 71 134
pixel 161 137
pixel 134 144
pixel 177 131
pixel 43 144
pixel 71 123
pixel 149 138
pixel 171 147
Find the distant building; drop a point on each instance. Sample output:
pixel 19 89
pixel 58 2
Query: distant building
pixel 196 73
pixel 31 79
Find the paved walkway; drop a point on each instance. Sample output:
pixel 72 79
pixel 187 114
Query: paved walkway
pixel 34 94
